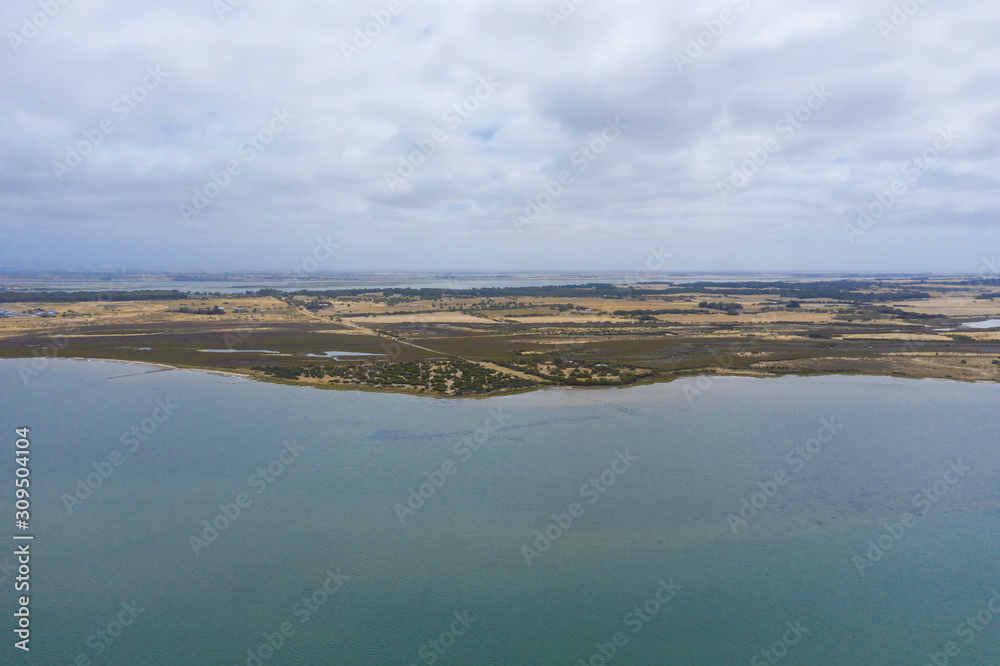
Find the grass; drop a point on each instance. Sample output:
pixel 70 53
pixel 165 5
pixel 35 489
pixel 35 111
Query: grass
pixel 477 346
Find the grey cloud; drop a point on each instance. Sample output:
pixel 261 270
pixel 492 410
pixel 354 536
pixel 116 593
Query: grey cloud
pixel 688 128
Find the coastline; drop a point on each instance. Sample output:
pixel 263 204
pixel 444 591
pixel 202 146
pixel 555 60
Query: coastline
pixel 708 372
pixel 162 366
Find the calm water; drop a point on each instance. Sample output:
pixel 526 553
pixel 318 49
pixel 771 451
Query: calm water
pixel 402 281
pixel 989 323
pixel 686 453
pixel 346 282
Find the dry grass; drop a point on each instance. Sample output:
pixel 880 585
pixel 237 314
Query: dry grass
pixel 417 318
pixel 802 336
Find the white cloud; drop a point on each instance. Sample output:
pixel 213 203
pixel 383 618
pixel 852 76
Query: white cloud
pixel 326 173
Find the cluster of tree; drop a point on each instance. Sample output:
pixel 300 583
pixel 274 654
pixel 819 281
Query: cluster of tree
pixel 216 310
pixel 888 296
pixel 728 308
pixel 376 314
pixel 89 296
pixel 593 290
pixel 473 378
pixel 981 282
pixel 316 305
pixel 896 312
pixel 842 290
pixel 282 372
pixel 839 290
pixel 573 373
pixel 836 290
pixel 464 378
pixel 646 313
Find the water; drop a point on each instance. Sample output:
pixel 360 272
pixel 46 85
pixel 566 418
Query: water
pixel 239 351
pixel 360 281
pixel 343 355
pixel 686 457
pixel 395 281
pixel 989 323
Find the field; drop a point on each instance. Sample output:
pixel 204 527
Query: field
pixel 490 341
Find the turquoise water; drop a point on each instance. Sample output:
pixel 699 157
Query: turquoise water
pixel 671 464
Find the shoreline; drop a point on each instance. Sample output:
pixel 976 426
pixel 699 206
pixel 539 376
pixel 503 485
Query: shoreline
pixel 153 364
pixel 715 373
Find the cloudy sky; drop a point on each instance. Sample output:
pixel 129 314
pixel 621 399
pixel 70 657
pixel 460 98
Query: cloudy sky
pixel 514 135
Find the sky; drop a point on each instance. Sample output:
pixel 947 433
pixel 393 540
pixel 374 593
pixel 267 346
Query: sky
pixel 392 135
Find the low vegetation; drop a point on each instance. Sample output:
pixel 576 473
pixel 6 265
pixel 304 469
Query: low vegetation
pixel 484 341
pixel 445 378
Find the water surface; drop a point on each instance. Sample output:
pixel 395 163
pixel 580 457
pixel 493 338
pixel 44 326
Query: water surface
pixel 665 465
pixel 989 323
